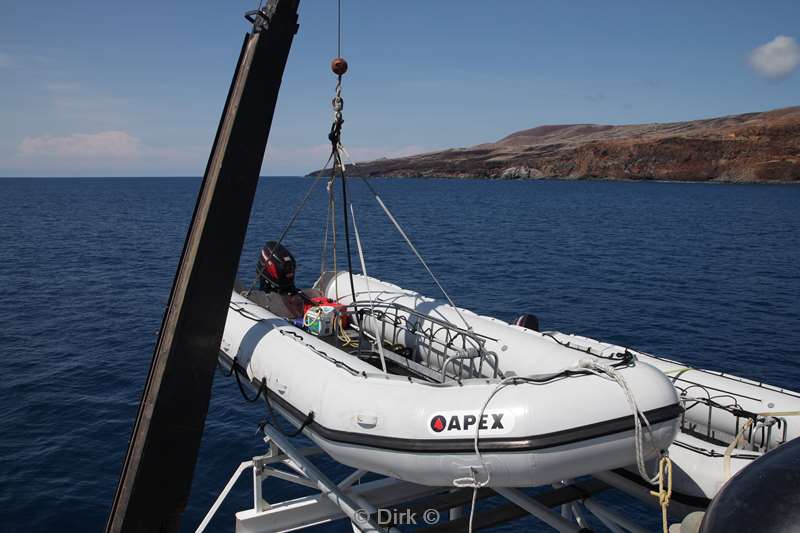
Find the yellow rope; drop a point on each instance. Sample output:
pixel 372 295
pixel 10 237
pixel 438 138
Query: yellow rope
pixel 342 335
pixel 780 413
pixel 664 494
pixel 679 369
pixel 738 440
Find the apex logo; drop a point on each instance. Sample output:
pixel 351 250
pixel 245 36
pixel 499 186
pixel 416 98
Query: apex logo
pixel 464 422
pixel 438 423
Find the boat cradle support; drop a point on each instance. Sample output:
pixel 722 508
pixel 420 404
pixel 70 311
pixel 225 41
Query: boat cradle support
pixel 380 503
pixel 383 504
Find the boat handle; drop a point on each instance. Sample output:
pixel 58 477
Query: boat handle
pixel 367 421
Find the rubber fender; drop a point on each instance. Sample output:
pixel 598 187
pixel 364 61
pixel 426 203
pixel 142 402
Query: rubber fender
pixel 764 496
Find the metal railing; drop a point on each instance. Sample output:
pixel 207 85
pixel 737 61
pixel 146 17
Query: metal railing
pixel 431 341
pixel 759 435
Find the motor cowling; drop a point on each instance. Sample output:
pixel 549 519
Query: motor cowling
pixel 528 321
pixel 276 268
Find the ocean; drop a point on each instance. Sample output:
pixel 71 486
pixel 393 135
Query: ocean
pixel 703 273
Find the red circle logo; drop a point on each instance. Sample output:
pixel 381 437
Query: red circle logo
pixel 438 423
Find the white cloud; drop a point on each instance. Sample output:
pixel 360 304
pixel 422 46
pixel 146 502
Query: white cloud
pixel 117 152
pixel 105 153
pixel 103 145
pixel 777 58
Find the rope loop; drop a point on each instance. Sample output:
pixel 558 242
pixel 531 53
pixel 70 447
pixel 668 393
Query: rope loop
pixel 664 492
pixel 737 441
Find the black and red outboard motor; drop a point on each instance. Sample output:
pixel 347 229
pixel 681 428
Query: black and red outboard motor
pixel 275 269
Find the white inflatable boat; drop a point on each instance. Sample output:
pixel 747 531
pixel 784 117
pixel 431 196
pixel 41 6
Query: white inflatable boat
pixel 418 421
pixel 537 411
pixel 728 423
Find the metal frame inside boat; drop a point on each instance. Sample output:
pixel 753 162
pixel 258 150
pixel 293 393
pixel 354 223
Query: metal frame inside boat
pixel 460 349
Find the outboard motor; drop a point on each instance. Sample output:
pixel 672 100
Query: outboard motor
pixel 528 322
pixel 275 269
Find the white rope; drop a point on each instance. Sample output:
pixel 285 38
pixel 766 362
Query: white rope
pixel 408 241
pixel 472 480
pixel 292 220
pixel 737 441
pixel 606 371
pixel 332 213
pixel 472 507
pixel 302 204
pixel 378 336
pixel 324 256
pixel 588 365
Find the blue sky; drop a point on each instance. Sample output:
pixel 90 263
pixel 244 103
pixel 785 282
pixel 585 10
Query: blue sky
pixel 94 88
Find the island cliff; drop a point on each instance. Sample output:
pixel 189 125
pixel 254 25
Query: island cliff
pixel 754 147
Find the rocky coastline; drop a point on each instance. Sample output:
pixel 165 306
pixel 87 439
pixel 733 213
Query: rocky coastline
pixel 754 147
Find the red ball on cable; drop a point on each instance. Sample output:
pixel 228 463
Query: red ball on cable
pixel 339 66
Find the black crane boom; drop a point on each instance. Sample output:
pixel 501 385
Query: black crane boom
pixel 157 473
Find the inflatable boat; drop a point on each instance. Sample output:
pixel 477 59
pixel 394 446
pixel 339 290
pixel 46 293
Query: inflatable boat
pixel 728 423
pixel 386 380
pixel 437 401
pixel 418 421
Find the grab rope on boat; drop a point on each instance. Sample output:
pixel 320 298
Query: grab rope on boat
pixel 607 371
pixel 472 481
pixel 273 421
pixel 263 392
pixel 663 477
pixel 626 355
pixel 262 387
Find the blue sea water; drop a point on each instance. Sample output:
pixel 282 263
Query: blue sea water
pixel 703 273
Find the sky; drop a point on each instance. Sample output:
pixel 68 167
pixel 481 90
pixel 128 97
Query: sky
pixel 136 88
